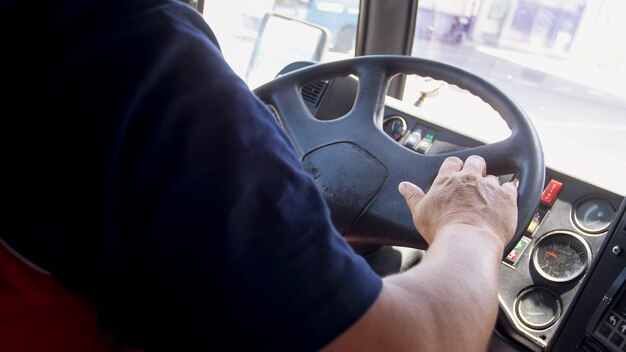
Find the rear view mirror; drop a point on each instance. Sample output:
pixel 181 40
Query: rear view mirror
pixel 281 41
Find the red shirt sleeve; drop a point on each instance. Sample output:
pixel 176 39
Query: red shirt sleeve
pixel 38 314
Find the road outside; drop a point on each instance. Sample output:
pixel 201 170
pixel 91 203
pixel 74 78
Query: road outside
pixel 553 92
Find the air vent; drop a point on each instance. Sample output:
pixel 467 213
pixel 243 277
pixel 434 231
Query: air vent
pixel 312 92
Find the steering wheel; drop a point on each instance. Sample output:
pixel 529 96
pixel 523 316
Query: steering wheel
pixel 358 167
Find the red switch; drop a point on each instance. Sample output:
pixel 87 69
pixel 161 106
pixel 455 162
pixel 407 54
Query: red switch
pixel 551 192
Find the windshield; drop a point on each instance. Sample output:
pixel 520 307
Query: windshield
pixel 563 61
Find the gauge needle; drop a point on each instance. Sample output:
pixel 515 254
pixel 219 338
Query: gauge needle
pixel 552 254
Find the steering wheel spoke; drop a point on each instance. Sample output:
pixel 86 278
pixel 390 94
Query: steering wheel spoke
pixel 304 130
pixel 370 99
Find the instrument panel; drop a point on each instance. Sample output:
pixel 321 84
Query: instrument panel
pixel 541 276
pixel 597 320
pixel 558 249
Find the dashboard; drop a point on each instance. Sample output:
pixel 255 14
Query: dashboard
pixel 554 283
pixel 540 277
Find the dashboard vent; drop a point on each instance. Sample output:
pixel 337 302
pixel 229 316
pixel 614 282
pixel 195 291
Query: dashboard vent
pixel 312 92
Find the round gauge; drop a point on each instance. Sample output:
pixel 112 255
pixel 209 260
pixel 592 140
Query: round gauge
pixel 594 214
pixel 395 126
pixel 561 256
pixel 537 308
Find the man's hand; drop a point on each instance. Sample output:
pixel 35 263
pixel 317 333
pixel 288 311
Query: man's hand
pixel 429 298
pixel 463 194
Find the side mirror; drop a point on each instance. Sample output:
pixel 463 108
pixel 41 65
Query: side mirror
pixel 281 41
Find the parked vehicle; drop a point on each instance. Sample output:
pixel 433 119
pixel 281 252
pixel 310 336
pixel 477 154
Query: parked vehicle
pixel 339 17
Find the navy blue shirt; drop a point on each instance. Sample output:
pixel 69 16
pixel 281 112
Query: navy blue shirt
pixel 144 174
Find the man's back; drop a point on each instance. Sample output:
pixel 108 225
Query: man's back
pixel 144 175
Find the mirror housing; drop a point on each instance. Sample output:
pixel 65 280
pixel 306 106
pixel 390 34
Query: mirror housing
pixel 281 41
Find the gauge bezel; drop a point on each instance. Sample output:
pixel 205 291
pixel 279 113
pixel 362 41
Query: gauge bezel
pixel 575 237
pixel 579 224
pixel 529 324
pixel 404 125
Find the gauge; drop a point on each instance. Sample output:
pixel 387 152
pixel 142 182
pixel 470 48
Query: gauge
pixel 561 256
pixel 537 308
pixel 594 214
pixel 395 126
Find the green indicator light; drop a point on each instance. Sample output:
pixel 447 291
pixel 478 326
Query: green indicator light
pixel 430 136
pixel 520 246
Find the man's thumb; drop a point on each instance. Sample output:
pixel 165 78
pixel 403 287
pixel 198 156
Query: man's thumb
pixel 411 193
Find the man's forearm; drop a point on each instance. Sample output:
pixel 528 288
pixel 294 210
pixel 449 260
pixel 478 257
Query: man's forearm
pixel 454 290
pixel 446 303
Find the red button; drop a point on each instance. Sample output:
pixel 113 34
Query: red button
pixel 551 192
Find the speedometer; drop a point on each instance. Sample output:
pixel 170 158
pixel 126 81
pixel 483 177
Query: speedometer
pixel 561 256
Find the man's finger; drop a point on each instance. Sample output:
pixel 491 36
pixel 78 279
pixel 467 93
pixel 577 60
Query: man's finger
pixel 493 179
pixel 411 193
pixel 510 188
pixel 450 165
pixel 475 163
